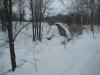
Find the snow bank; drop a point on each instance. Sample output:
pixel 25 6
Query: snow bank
pixel 81 56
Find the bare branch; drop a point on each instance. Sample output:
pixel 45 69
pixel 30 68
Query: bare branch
pixel 20 30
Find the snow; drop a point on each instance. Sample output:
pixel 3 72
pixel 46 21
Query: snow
pixel 53 32
pixel 4 54
pixel 80 57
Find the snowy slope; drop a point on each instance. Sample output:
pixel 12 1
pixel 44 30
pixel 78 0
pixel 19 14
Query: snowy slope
pixel 81 56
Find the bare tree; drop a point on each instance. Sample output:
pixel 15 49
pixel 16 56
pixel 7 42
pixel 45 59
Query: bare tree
pixel 98 13
pixel 21 10
pixel 38 9
pixel 7 14
pixel 92 16
pixel 2 15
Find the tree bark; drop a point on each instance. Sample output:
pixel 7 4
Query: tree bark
pixel 10 36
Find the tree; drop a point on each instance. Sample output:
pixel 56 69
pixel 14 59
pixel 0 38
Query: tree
pixel 98 13
pixel 38 9
pixel 8 22
pixel 92 16
pixel 21 10
pixel 2 16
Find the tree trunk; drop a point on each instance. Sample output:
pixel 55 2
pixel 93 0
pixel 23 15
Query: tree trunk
pixel 92 16
pixel 10 36
pixel 33 26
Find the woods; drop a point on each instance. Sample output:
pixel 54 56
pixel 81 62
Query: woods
pixel 30 19
pixel 37 8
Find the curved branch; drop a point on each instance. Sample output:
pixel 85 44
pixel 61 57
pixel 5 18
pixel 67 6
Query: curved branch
pixel 20 30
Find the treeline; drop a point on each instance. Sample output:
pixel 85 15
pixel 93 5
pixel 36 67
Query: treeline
pixel 81 12
pixel 74 18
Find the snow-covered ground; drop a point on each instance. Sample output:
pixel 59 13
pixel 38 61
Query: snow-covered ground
pixel 81 56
